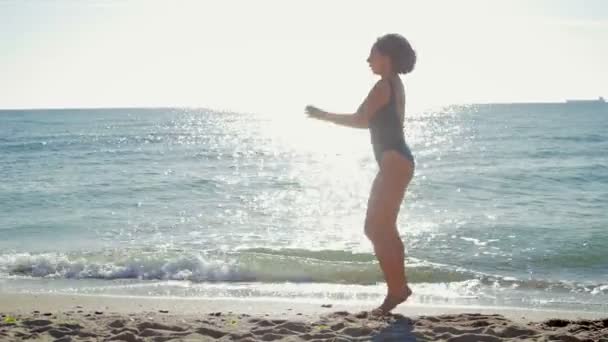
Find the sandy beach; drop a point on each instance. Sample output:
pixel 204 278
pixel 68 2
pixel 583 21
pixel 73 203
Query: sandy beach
pixel 95 318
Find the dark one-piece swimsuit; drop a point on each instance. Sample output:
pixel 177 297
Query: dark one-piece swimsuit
pixel 386 130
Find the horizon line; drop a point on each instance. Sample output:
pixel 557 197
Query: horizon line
pixel 229 110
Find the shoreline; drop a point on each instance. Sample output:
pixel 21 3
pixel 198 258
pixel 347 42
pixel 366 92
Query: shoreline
pixel 24 303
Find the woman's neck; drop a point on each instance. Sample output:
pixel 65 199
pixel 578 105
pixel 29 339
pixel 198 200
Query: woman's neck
pixel 388 75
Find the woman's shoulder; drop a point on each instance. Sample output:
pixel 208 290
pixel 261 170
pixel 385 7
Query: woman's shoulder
pixel 381 89
pixel 390 83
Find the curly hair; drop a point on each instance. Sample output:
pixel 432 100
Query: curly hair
pixel 399 50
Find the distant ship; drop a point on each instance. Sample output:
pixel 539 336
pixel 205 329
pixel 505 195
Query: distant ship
pixel 599 100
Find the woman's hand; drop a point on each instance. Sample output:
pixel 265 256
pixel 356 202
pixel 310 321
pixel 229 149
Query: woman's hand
pixel 315 113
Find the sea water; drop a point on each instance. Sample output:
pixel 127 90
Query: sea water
pixel 508 205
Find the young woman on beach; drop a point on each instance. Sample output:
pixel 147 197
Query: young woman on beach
pixel 383 113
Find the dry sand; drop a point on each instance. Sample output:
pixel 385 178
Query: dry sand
pixel 88 318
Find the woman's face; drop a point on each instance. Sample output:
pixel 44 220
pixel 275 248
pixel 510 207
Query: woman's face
pixel 378 62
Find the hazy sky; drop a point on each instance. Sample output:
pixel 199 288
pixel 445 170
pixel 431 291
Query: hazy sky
pixel 267 56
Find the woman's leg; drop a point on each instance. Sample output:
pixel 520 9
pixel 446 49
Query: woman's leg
pixel 385 200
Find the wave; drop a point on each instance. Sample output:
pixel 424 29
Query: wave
pixel 25 146
pixel 249 265
pixel 588 138
pixel 254 265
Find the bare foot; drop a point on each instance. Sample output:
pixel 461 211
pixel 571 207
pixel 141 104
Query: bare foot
pixel 391 301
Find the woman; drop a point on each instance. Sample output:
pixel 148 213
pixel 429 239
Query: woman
pixel 383 112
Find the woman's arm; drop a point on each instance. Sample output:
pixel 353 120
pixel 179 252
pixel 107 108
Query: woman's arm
pixel 377 97
pixel 348 120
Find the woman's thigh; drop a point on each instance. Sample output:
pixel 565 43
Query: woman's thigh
pixel 388 191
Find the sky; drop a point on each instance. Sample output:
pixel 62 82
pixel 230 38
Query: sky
pixel 277 56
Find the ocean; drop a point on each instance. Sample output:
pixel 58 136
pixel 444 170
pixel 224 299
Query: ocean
pixel 508 206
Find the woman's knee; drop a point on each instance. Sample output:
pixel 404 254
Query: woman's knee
pixel 370 227
pixel 369 230
pixel 377 228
